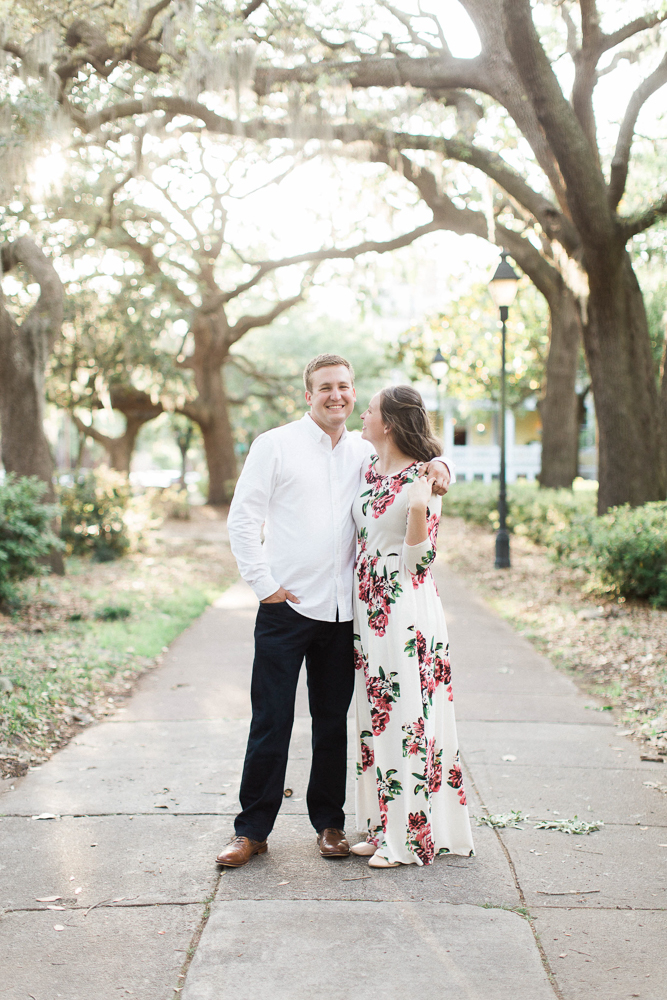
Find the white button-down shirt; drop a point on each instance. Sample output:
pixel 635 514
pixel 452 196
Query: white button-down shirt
pixel 302 490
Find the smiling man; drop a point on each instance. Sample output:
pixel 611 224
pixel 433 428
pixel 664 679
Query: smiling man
pixel 300 481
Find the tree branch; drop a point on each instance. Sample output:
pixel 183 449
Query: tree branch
pixel 151 264
pixel 633 28
pixel 639 223
pixel 250 9
pixel 620 163
pixel 368 246
pixel 433 72
pixel 572 45
pixel 585 77
pixel 586 190
pixel 91 431
pixel 46 316
pixel 555 224
pixel 590 25
pixel 246 323
pixel 466 221
pixel 406 20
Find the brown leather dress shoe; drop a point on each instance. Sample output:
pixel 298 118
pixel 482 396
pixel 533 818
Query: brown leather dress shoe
pixel 239 851
pixel 332 843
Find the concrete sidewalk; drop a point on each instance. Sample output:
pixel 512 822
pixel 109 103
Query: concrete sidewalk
pixel 144 801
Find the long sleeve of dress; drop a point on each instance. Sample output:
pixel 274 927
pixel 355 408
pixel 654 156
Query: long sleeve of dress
pixel 418 558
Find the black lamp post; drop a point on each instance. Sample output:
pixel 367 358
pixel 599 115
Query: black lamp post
pixel 503 288
pixel 439 369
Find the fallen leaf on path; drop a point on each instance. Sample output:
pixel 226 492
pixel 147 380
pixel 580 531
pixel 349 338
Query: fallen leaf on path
pixel 47 899
pixel 283 883
pixel 501 820
pixel 46 816
pixel 564 955
pixel 643 756
pixel 356 878
pixel 54 906
pixel 58 927
pixel 576 825
pixel 100 903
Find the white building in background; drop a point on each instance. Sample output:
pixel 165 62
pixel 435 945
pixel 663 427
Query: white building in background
pixel 471 436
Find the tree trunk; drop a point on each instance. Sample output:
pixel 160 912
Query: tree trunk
pixel 630 426
pixel 663 396
pixel 559 407
pixel 581 415
pixel 121 449
pixel 211 412
pixel 24 353
pixel 137 408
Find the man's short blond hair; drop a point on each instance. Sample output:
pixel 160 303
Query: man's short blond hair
pixel 324 361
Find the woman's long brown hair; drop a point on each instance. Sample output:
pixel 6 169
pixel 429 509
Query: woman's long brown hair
pixel 403 410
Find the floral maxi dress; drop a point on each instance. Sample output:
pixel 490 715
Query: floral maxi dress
pixel 409 788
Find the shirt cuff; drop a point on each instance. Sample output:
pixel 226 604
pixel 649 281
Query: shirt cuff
pixel 450 465
pixel 265 587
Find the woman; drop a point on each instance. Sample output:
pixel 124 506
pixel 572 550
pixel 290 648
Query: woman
pixel 409 790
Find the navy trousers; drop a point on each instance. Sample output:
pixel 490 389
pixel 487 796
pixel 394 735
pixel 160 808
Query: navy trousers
pixel 283 638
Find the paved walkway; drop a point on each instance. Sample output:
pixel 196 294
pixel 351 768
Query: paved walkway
pixel 143 801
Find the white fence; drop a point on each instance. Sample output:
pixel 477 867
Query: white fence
pixel 482 462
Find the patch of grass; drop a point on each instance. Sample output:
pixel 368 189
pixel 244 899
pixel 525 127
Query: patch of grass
pixel 521 910
pixel 80 642
pixel 109 613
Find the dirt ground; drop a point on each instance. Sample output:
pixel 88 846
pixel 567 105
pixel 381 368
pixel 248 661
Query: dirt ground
pixel 614 649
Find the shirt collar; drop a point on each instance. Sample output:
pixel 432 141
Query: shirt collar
pixel 318 434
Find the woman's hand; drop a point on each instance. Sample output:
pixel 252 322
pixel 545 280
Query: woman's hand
pixel 419 493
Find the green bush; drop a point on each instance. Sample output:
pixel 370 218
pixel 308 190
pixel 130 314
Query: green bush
pixel 93 510
pixel 474 502
pixel 540 514
pixel 533 512
pixel 626 550
pixel 113 613
pixel 25 532
pixel 172 503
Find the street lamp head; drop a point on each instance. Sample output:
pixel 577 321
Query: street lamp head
pixel 503 285
pixel 439 366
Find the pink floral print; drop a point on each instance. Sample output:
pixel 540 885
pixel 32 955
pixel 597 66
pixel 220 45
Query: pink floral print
pixel 410 799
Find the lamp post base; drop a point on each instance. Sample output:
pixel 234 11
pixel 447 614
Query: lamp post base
pixel 502 549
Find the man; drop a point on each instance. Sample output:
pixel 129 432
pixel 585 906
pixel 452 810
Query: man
pixel 300 481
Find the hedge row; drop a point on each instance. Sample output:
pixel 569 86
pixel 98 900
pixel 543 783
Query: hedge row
pixel 97 515
pixel 536 513
pixel 625 551
pixel 25 533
